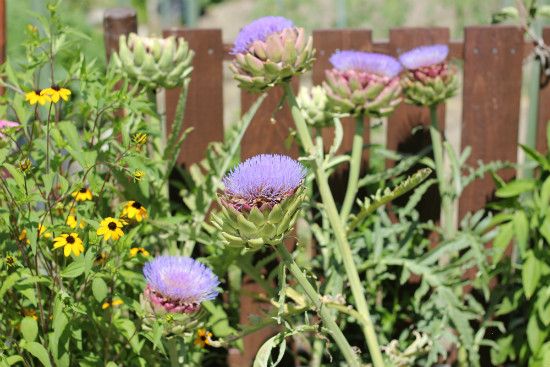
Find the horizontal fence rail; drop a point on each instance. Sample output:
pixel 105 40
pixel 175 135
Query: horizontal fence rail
pixel 492 58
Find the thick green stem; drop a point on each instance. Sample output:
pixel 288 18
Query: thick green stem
pixel 322 310
pixel 355 168
pixel 338 229
pixel 447 210
pixel 173 352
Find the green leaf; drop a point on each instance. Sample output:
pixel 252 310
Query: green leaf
pixel 74 269
pixel 99 289
pixel 536 156
pixel 263 356
pixel 37 350
pixel 502 240
pixel 29 329
pixel 521 229
pixel 515 188
pixel 536 333
pixel 16 174
pixel 530 273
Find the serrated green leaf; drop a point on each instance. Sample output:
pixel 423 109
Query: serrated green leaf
pixel 74 269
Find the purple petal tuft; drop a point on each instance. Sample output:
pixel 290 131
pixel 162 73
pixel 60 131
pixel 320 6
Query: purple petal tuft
pixel 424 56
pixel 265 175
pixel 181 279
pixel 259 30
pixel 369 62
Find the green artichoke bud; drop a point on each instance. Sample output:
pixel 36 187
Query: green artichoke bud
pixel 363 83
pixel 429 80
pixel 261 201
pixel 269 51
pixel 154 62
pixel 314 106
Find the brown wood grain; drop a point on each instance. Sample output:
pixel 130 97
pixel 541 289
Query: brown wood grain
pixel 544 102
pixel 406 117
pixel 116 22
pixel 204 108
pixel 269 130
pixel 493 57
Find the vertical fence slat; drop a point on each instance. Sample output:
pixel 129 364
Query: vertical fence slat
pixel 116 22
pixel 269 128
pixel 544 103
pixel 204 108
pixel 493 57
pixel 406 117
pixel 326 42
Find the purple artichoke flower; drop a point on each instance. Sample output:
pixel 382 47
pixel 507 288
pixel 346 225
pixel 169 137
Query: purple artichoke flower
pixel 428 80
pixel 269 51
pixel 179 284
pixel 363 83
pixel 261 201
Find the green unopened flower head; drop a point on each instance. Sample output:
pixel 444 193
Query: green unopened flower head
pixel 363 83
pixel 314 106
pixel 269 51
pixel 261 201
pixel 429 80
pixel 154 62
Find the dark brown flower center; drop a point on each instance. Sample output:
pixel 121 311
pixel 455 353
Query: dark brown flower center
pixel 136 204
pixel 55 87
pixel 10 260
pixel 83 190
pixel 140 251
pixel 37 92
pixel 70 239
pixel 111 226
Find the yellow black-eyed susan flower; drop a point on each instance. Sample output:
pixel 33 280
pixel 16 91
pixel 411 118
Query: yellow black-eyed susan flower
pixel 134 251
pixel 139 138
pixel 70 243
pixel 73 222
pixel 138 175
pixel 112 303
pixel 203 338
pixel 30 312
pixel 100 259
pixel 83 194
pixel 41 233
pixel 36 96
pixel 134 209
pixel 110 228
pixel 55 92
pixel 10 261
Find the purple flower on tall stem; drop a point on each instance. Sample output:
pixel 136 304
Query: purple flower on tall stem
pixel 424 56
pixel 179 284
pixel 263 181
pixel 363 83
pixel 429 80
pixel 269 51
pixel 4 124
pixel 259 30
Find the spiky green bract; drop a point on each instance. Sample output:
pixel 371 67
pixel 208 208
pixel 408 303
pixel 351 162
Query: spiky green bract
pixel 261 201
pixel 154 62
pixel 313 103
pixel 273 58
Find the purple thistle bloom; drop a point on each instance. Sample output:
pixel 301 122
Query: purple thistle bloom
pixel 259 30
pixel 263 179
pixel 369 62
pixel 424 56
pixel 179 284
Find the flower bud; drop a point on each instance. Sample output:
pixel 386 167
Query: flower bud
pixel 269 51
pixel 154 62
pixel 429 80
pixel 314 106
pixel 363 83
pixel 260 202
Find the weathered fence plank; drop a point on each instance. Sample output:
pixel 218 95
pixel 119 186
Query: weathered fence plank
pixel 406 117
pixel 326 42
pixel 270 127
pixel 204 108
pixel 116 22
pixel 493 57
pixel 544 102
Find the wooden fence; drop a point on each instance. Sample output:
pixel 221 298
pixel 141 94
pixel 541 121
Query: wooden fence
pixel 492 59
